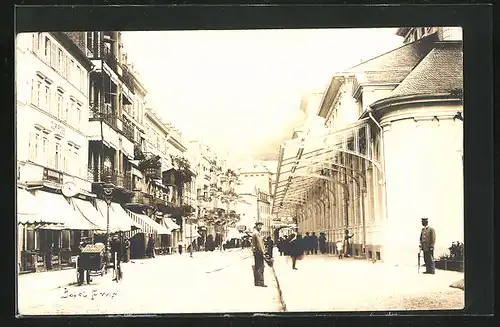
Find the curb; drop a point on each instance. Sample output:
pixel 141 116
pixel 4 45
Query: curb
pixel 280 293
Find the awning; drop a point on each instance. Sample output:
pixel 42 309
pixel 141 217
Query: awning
pixel 170 224
pixel 90 212
pixel 119 221
pixel 29 210
pixel 148 225
pixel 158 182
pixel 190 231
pixel 320 155
pixel 56 205
pixel 233 233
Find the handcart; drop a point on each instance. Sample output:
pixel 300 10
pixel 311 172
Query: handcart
pixel 90 262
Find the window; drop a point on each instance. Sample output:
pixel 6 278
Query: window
pixel 33 147
pixel 53 55
pixel 90 40
pixel 30 238
pixel 59 61
pixel 70 109
pixel 47 47
pixel 46 97
pixel 57 156
pixel 69 68
pixel 36 87
pixel 60 105
pixel 35 42
pixel 78 115
pixel 43 160
pixel 79 75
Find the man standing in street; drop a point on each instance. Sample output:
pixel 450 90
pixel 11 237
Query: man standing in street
pixel 258 255
pixel 314 243
pixel 427 241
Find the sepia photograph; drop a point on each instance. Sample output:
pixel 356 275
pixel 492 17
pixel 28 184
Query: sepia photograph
pixel 239 171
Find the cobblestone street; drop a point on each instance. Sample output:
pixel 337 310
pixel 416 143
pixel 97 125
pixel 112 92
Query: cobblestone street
pixel 223 282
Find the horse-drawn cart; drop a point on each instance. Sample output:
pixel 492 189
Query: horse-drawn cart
pixel 90 262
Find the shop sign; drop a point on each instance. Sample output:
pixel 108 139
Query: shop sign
pixel 52 175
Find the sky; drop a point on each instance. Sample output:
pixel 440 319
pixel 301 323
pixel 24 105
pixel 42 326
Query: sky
pixel 240 91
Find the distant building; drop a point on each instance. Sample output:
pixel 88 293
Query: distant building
pixel 257 178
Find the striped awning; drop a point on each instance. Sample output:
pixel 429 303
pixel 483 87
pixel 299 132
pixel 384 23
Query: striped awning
pixel 119 221
pixel 170 224
pixel 148 225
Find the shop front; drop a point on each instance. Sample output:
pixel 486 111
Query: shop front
pixel 49 230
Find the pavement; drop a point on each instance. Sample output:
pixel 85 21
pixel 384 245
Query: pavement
pixel 326 283
pixel 222 282
pixel 210 282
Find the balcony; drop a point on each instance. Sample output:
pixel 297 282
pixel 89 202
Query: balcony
pixel 119 180
pixel 128 131
pixel 128 80
pixel 106 113
pixel 110 59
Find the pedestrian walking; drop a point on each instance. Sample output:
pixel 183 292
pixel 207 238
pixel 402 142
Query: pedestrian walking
pixel 180 245
pixel 280 245
pixel 269 246
pixel 340 248
pixel 126 249
pixel 427 241
pixel 314 243
pixel 258 251
pixel 153 244
pixel 322 243
pixel 347 243
pixel 307 243
pixel 296 248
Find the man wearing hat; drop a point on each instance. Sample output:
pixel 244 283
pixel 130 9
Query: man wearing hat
pixel 258 254
pixel 427 241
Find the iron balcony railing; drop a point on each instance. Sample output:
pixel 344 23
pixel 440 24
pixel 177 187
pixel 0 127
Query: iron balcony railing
pixel 128 130
pixel 110 59
pixel 104 112
pixel 108 115
pixel 107 175
pixel 128 80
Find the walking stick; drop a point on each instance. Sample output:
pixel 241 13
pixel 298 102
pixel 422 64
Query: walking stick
pixel 418 269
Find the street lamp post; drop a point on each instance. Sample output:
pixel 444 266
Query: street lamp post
pixel 107 188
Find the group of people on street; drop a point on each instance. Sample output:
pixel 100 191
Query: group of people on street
pixel 311 243
pixel 296 247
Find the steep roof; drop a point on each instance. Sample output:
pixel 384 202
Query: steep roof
pixel 441 71
pixel 395 65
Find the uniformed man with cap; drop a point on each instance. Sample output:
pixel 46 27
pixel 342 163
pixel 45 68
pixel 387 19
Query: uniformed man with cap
pixel 258 250
pixel 427 241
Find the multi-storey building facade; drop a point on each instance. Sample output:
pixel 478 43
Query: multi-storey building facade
pixel 52 147
pixel 385 147
pixel 111 137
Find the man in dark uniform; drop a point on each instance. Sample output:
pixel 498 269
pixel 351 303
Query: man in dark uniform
pixel 314 243
pixel 115 252
pixel 427 241
pixel 258 250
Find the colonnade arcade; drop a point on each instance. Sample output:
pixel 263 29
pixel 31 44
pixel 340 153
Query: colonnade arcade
pixel 326 180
